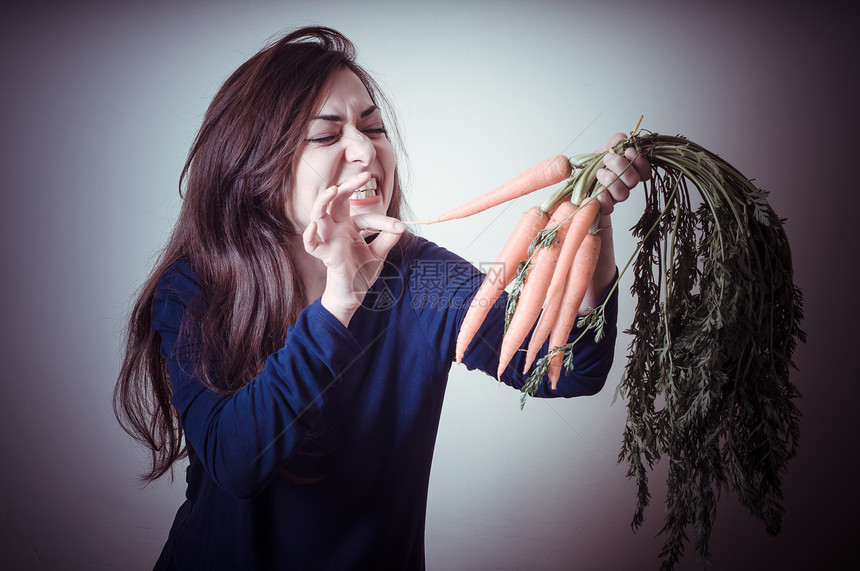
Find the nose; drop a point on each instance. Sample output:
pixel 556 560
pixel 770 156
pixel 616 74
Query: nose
pixel 359 148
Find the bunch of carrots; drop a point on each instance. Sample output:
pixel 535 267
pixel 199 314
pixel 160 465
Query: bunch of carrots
pixel 553 250
pixel 715 326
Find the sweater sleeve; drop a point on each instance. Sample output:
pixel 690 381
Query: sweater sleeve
pixel 592 359
pixel 443 286
pixel 245 437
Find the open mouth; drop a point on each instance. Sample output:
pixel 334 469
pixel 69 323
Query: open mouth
pixel 366 191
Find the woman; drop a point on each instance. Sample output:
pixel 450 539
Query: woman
pixel 296 335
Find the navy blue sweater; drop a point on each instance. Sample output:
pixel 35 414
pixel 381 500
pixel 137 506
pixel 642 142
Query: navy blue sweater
pixel 352 410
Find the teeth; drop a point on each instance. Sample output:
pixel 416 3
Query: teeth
pixel 366 191
pixel 369 185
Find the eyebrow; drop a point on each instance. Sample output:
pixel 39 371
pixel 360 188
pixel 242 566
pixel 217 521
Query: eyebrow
pixel 364 114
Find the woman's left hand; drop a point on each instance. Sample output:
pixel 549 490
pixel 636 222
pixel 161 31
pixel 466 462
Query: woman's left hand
pixel 621 174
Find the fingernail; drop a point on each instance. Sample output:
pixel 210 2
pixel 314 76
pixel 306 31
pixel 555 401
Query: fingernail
pixel 399 226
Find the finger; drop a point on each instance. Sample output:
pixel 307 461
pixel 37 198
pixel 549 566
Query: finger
pixel 378 223
pixel 615 190
pixel 607 204
pixel 310 238
pixel 640 163
pixel 325 227
pixel 340 209
pixel 321 203
pixel 389 229
pixel 614 186
pixel 622 168
pixel 613 140
pixel 355 182
pixel 382 244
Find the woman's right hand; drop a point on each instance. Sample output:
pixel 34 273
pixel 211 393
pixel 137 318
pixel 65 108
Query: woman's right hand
pixel 336 237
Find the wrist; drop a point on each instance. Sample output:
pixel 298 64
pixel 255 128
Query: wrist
pixel 343 312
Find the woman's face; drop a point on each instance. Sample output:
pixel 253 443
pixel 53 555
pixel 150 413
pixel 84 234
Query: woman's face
pixel 345 137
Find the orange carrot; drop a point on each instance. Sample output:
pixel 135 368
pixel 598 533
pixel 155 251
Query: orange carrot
pixel 534 290
pixel 513 252
pixel 578 281
pixel 579 227
pixel 545 173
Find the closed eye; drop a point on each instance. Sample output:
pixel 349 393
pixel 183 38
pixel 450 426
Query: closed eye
pixel 376 131
pixel 322 139
pixel 327 139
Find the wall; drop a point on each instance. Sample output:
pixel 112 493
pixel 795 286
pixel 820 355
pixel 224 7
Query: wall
pixel 100 104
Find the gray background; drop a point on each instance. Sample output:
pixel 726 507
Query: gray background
pixel 100 103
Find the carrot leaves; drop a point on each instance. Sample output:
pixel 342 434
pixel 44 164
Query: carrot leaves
pixel 716 321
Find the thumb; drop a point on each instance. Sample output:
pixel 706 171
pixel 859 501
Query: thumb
pixel 386 239
pixel 390 230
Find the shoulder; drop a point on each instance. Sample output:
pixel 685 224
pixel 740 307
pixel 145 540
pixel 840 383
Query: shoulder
pixel 179 275
pixel 178 289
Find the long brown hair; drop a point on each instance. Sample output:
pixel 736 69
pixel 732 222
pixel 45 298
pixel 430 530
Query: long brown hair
pixel 235 231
